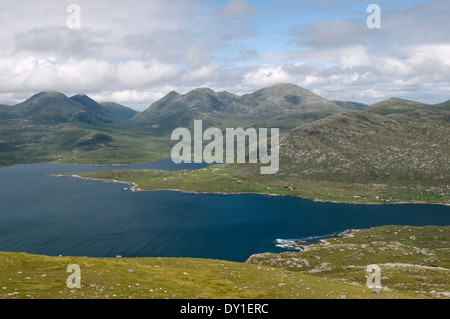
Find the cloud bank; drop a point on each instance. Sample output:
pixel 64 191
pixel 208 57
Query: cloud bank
pixel 137 51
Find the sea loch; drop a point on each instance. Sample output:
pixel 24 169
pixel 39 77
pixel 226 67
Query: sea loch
pixel 44 214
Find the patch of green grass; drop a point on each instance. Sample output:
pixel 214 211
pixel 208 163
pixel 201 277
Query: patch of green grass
pixel 396 105
pixel 208 180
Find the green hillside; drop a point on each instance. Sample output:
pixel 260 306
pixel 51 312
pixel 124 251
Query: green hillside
pixel 350 105
pixel 50 127
pixel 396 105
pixel 25 142
pixel 119 111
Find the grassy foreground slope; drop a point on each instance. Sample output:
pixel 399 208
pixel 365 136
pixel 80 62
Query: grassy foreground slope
pixel 31 276
pixel 413 265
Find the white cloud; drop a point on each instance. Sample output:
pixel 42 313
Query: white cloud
pixel 267 75
pixel 133 96
pixel 62 41
pixel 333 34
pixel 355 56
pixel 237 10
pixel 139 74
pixel 197 57
pixel 395 67
pixel 204 73
pixel 38 74
pixel 45 74
pixel 362 76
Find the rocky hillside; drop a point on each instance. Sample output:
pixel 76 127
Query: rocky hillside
pixel 361 146
pixel 411 259
pixel 409 149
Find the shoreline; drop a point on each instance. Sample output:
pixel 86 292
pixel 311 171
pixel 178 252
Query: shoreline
pixel 99 165
pixel 135 187
pixel 345 234
pixel 305 245
pixel 96 179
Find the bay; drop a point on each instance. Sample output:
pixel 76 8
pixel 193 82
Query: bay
pixel 44 214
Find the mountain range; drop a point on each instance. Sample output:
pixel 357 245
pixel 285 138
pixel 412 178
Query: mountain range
pixel 50 126
pixel 54 107
pixel 285 105
pixel 393 142
pixel 282 105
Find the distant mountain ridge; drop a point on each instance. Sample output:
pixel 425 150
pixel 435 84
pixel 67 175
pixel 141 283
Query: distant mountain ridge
pixel 119 111
pixel 351 105
pixel 284 105
pixel 55 107
pixel 175 110
pixel 397 105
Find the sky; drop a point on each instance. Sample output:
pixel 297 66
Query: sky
pixel 135 52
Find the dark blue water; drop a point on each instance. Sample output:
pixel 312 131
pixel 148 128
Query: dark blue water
pixel 43 214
